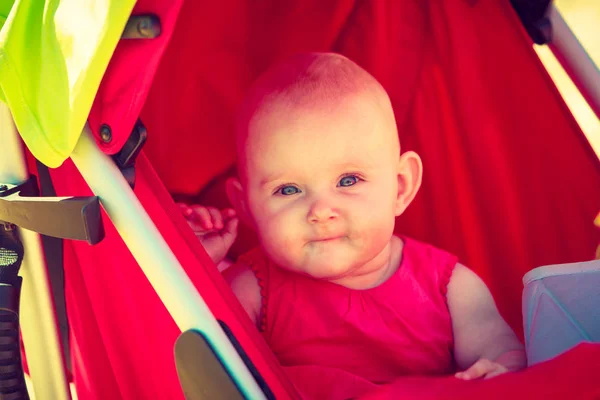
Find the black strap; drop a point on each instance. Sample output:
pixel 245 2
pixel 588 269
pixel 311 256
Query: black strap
pixel 53 249
pixel 533 16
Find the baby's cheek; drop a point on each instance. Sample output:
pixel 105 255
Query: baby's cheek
pixel 282 250
pixel 279 235
pixel 375 214
pixel 376 231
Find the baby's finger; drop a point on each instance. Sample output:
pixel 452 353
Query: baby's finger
pixel 477 370
pixel 185 209
pixel 216 217
pixel 228 213
pixel 203 217
pixel 499 370
pixel 230 232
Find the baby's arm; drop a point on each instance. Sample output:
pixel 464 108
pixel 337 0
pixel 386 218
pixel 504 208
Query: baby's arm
pixel 245 286
pixel 484 344
pixel 217 230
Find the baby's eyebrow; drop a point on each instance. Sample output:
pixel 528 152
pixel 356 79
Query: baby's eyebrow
pixel 349 167
pixel 356 166
pixel 269 180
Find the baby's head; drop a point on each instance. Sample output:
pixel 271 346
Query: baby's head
pixel 321 176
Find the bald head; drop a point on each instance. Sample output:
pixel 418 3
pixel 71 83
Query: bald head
pixel 310 77
pixel 311 82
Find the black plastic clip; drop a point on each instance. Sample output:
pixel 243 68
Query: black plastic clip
pixel 125 158
pixel 533 16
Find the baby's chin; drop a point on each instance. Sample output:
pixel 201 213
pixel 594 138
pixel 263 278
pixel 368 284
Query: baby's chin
pixel 330 269
pixel 328 261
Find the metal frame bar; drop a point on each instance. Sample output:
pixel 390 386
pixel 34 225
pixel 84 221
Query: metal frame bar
pixel 574 59
pixel 37 314
pixel 155 258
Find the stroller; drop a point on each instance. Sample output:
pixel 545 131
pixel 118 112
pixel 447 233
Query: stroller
pixel 121 109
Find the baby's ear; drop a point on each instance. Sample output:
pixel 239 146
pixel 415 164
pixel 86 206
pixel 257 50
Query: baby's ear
pixel 410 173
pixel 237 198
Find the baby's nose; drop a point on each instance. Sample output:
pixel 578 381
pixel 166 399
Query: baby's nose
pixel 322 211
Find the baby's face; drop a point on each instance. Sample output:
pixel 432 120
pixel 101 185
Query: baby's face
pixel 321 186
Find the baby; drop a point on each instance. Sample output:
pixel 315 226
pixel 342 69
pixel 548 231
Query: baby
pixel 333 290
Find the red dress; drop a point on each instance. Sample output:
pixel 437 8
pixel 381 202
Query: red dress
pixel 337 342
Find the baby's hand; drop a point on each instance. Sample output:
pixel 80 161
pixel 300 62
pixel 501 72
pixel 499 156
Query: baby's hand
pixel 483 368
pixel 215 229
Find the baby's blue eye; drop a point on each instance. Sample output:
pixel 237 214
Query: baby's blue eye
pixel 349 180
pixel 288 190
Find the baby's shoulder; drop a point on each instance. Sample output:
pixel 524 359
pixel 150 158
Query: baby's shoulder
pixel 429 265
pixel 244 284
pixel 426 257
pixel 424 252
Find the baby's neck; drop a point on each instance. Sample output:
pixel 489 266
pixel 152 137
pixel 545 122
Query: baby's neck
pixel 376 271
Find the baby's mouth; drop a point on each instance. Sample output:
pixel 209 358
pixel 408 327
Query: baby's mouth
pixel 327 239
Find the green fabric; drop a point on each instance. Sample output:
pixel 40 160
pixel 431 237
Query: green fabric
pixel 52 57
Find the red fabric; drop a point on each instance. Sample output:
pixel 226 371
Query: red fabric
pixel 129 75
pixel 510 181
pixel 401 327
pixel 122 336
pixel 572 375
